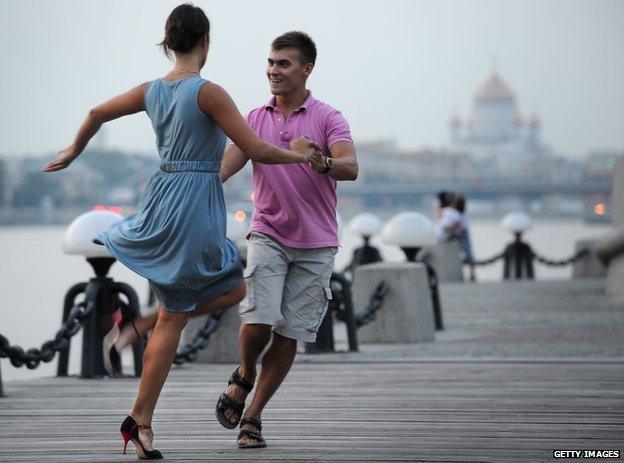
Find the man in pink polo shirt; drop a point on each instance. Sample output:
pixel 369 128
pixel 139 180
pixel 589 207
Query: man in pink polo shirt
pixel 294 232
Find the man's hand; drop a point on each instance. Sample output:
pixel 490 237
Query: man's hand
pixel 306 147
pixel 318 162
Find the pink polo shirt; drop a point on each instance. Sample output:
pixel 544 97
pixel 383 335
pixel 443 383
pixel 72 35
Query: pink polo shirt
pixel 293 203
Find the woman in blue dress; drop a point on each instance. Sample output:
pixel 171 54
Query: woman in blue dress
pixel 177 238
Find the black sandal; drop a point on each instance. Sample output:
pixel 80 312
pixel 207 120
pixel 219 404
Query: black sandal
pixel 225 401
pixel 261 443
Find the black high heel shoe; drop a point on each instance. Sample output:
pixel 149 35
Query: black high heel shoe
pixel 130 432
pixel 112 357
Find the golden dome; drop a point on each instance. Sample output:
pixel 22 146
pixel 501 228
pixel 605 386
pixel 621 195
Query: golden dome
pixel 494 90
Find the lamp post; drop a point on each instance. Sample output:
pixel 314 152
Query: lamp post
pixel 412 231
pixel 518 255
pixel 100 290
pixel 366 225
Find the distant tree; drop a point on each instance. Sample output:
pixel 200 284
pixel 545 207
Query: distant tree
pixel 87 182
pixel 36 185
pixel 116 167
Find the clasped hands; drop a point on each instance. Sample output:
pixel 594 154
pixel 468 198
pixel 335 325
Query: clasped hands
pixel 312 152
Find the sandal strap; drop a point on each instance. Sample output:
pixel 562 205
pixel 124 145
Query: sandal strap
pixel 252 434
pixel 227 401
pixel 237 379
pixel 255 423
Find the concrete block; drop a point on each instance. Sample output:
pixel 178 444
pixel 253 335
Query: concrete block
pixel 588 266
pixel 223 346
pixel 446 260
pixel 406 315
pixel 615 277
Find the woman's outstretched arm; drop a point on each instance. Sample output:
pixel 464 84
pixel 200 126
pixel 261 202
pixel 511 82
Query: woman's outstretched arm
pixel 122 105
pixel 215 102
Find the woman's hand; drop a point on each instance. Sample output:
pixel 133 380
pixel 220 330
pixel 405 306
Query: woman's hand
pixel 306 147
pixel 64 159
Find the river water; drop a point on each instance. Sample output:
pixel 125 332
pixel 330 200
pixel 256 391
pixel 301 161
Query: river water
pixel 35 274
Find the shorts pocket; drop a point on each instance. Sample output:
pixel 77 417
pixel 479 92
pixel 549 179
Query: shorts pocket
pixel 249 302
pixel 317 314
pixel 328 293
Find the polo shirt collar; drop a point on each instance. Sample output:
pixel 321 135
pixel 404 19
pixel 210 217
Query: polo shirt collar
pixel 271 104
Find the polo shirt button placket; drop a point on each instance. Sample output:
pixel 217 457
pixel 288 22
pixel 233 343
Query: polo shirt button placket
pixel 284 134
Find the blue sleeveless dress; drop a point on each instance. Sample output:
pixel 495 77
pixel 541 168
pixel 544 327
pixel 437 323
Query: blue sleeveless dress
pixel 176 239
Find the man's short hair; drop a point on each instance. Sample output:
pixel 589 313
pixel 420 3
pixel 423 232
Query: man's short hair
pixel 300 41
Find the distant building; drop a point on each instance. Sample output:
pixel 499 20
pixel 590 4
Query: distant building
pixel 496 131
pixel 381 161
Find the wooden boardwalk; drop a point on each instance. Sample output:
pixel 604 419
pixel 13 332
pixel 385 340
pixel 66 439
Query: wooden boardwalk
pixel 333 412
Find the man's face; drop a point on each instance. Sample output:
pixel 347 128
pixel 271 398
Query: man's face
pixel 285 72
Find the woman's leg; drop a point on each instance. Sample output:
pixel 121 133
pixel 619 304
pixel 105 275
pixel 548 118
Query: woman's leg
pixel 157 361
pixel 144 324
pixel 225 301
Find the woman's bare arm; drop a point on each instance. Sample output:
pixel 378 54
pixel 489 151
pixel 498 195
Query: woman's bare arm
pixel 233 161
pixel 217 103
pixel 122 105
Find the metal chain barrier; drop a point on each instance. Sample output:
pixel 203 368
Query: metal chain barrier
pixel 337 302
pixel 375 303
pixel 563 262
pixel 366 315
pixel 491 260
pixel 544 260
pixel 33 357
pixel 188 353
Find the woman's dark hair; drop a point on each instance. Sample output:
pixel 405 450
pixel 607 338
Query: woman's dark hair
pixel 184 29
pixel 459 203
pixel 445 198
pixel 301 42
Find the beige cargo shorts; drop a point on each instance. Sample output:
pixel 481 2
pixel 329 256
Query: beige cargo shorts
pixel 287 288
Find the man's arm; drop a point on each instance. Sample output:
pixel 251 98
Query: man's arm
pixel 233 161
pixel 345 163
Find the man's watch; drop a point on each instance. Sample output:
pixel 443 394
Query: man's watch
pixel 330 164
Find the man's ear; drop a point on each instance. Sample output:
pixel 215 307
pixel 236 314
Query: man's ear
pixel 308 68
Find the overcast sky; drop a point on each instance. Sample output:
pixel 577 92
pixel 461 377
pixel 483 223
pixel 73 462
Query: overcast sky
pixel 397 69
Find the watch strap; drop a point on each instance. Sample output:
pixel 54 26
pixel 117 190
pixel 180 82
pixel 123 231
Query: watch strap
pixel 329 166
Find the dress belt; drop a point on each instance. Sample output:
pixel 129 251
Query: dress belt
pixel 212 167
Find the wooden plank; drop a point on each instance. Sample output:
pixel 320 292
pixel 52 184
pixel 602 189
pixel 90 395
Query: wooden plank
pixel 334 412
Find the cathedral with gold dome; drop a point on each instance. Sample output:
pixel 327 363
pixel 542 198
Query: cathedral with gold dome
pixel 497 132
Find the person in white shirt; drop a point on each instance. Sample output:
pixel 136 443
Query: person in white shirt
pixel 453 225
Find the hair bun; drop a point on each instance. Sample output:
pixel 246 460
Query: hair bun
pixel 185 27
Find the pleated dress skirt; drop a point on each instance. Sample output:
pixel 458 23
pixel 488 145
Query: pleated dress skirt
pixel 177 239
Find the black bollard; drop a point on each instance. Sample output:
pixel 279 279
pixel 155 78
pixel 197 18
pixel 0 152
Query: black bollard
pixel 341 299
pixel 365 254
pixel 435 296
pixel 412 256
pixel 102 293
pixel 349 311
pixel 98 322
pixel 518 260
pixel 324 337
